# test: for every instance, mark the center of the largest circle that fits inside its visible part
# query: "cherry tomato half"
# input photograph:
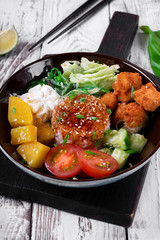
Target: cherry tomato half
(96, 163)
(62, 161)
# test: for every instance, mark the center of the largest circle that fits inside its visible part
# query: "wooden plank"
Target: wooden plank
(146, 223)
(27, 18)
(49, 223)
(86, 37)
(14, 219)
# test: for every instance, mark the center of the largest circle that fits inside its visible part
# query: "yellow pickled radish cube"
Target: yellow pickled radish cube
(24, 134)
(19, 112)
(34, 153)
(45, 134)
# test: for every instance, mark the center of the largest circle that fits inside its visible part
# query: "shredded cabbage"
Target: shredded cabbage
(86, 73)
(71, 66)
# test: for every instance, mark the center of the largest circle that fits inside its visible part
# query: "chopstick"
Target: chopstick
(65, 21)
(87, 14)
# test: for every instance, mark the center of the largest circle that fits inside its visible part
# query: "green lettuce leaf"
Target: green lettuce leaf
(153, 49)
(92, 73)
(71, 66)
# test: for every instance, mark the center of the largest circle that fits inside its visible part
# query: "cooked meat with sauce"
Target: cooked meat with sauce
(148, 97)
(133, 115)
(125, 81)
(110, 100)
(85, 118)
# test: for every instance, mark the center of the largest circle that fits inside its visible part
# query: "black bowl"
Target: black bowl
(37, 70)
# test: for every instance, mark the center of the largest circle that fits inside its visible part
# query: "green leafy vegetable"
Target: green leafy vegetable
(67, 88)
(93, 137)
(90, 152)
(109, 110)
(55, 80)
(153, 49)
(65, 139)
(14, 110)
(107, 132)
(24, 161)
(132, 91)
(79, 116)
(70, 66)
(72, 95)
(63, 114)
(130, 151)
(96, 91)
(56, 74)
(86, 73)
(89, 90)
(98, 142)
(85, 91)
(94, 118)
(58, 119)
(89, 77)
(82, 99)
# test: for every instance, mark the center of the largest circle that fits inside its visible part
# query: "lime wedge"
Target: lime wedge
(8, 40)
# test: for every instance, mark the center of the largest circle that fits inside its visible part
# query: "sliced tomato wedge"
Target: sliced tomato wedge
(96, 163)
(62, 161)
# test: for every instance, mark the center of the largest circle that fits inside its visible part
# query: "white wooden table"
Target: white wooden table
(32, 19)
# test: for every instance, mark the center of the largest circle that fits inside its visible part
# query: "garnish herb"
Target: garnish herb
(98, 142)
(14, 110)
(79, 116)
(109, 110)
(67, 88)
(63, 114)
(132, 91)
(90, 152)
(130, 151)
(24, 161)
(107, 132)
(55, 145)
(65, 139)
(82, 100)
(153, 49)
(94, 118)
(72, 95)
(93, 137)
(86, 92)
(58, 119)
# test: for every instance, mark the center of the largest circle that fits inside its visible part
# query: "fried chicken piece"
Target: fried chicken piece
(84, 119)
(148, 97)
(133, 115)
(125, 81)
(110, 100)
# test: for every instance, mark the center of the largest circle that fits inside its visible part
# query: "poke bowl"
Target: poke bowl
(107, 120)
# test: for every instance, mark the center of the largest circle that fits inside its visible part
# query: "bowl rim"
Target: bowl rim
(93, 182)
